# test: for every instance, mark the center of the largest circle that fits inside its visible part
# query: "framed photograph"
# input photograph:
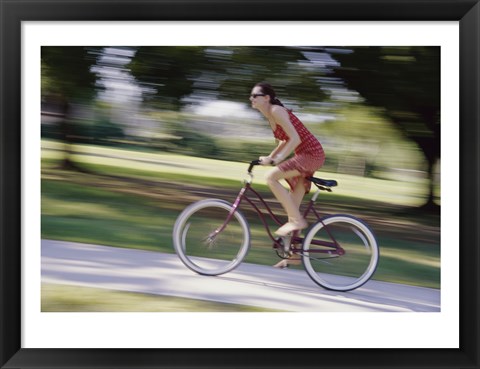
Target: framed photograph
(228, 47)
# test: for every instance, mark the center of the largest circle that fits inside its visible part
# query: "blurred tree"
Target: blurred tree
(286, 68)
(167, 74)
(67, 77)
(175, 76)
(405, 82)
(358, 137)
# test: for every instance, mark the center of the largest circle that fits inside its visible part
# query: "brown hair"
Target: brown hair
(267, 89)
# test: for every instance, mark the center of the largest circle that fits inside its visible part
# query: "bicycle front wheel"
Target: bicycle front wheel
(340, 253)
(203, 240)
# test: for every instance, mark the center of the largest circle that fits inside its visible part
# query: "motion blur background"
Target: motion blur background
(131, 135)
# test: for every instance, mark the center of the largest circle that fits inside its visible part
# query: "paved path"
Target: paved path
(163, 274)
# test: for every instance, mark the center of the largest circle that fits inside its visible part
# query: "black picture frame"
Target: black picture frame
(12, 355)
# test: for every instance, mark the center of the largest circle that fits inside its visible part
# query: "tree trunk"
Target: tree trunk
(430, 204)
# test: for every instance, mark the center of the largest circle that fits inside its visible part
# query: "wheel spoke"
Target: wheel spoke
(217, 252)
(352, 264)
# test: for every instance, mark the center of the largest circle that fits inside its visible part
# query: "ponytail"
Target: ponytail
(275, 101)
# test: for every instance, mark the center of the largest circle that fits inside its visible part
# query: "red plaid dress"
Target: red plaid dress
(308, 155)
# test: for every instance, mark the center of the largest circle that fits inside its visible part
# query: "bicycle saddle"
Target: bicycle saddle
(322, 183)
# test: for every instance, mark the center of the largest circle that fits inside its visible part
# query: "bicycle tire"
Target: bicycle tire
(340, 272)
(205, 255)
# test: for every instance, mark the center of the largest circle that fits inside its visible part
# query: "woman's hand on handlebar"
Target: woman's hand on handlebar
(262, 160)
(265, 160)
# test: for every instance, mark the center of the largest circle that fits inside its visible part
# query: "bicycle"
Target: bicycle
(339, 252)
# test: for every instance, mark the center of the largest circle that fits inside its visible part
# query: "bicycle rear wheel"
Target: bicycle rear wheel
(202, 245)
(340, 253)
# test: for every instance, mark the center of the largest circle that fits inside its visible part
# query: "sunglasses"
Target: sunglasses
(255, 95)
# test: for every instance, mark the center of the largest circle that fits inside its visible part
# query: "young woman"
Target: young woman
(308, 156)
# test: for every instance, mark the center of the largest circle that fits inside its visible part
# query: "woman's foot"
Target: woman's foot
(282, 264)
(292, 225)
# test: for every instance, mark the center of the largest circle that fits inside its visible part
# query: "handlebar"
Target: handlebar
(252, 164)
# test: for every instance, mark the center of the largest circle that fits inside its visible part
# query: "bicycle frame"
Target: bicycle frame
(202, 229)
(331, 248)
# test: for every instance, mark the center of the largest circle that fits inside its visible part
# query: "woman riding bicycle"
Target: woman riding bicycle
(339, 252)
(293, 136)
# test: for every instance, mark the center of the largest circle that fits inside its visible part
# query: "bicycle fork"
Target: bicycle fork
(211, 237)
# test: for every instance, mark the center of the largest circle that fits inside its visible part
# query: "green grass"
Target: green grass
(81, 213)
(209, 172)
(63, 298)
(135, 207)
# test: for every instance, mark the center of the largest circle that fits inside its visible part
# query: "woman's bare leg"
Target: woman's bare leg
(297, 196)
(289, 201)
